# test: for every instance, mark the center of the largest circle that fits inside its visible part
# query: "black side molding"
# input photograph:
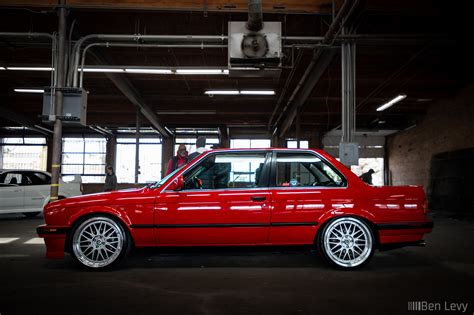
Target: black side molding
(221, 225)
(405, 225)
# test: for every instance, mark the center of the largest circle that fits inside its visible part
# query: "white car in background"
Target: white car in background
(28, 191)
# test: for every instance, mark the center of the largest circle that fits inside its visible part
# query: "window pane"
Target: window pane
(125, 168)
(23, 157)
(94, 169)
(95, 145)
(240, 143)
(292, 144)
(365, 164)
(227, 170)
(90, 158)
(71, 169)
(260, 143)
(35, 140)
(13, 140)
(150, 163)
(72, 158)
(73, 145)
(305, 170)
(93, 179)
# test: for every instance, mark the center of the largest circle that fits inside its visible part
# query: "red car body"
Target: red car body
(257, 216)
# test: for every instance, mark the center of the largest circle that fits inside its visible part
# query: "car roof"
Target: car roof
(23, 170)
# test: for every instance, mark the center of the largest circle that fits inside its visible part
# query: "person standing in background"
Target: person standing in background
(367, 177)
(180, 159)
(200, 147)
(110, 179)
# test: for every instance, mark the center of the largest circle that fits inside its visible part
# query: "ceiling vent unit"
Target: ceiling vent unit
(254, 46)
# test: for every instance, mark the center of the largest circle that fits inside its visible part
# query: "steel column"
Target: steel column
(348, 60)
(58, 128)
(137, 146)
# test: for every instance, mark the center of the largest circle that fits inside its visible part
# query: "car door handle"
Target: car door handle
(258, 198)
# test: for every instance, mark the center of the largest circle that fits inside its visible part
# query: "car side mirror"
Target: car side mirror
(177, 183)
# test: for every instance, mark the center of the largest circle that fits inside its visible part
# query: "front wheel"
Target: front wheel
(346, 242)
(99, 242)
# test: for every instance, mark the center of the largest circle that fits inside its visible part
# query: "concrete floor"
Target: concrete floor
(235, 281)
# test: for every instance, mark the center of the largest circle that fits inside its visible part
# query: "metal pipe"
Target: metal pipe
(108, 44)
(255, 19)
(73, 75)
(338, 23)
(57, 136)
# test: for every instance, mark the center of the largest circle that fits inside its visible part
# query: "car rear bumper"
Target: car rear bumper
(403, 232)
(54, 238)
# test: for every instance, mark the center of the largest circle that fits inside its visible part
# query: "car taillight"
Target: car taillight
(82, 188)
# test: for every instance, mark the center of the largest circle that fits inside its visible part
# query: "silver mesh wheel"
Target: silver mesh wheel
(348, 242)
(98, 242)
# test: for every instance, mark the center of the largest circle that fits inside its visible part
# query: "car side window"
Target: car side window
(13, 179)
(40, 178)
(305, 170)
(228, 170)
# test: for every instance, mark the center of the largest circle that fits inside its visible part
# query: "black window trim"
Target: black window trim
(265, 172)
(273, 172)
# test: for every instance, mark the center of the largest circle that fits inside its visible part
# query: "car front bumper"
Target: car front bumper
(54, 238)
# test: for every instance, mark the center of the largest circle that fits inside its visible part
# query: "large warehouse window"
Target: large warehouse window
(293, 144)
(149, 160)
(23, 153)
(85, 157)
(190, 143)
(250, 143)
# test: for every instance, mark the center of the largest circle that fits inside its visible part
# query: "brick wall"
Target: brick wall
(448, 126)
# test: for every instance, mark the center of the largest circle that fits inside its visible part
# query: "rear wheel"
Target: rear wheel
(347, 243)
(99, 242)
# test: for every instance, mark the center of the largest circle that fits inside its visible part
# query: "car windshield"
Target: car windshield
(164, 179)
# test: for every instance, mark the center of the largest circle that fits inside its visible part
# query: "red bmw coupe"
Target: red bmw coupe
(235, 197)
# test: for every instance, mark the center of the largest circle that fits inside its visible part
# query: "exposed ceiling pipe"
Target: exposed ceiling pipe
(169, 39)
(255, 20)
(315, 69)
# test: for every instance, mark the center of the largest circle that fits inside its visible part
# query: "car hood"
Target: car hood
(133, 195)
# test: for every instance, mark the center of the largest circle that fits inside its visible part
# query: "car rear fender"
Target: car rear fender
(364, 215)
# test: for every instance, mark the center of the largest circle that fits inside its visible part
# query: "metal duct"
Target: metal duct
(255, 21)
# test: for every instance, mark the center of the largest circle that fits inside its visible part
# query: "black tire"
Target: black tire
(329, 243)
(31, 214)
(113, 232)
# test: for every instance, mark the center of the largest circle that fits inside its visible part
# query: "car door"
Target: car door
(304, 186)
(36, 190)
(11, 193)
(225, 201)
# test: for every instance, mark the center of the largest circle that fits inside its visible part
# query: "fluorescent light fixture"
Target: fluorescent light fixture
(2, 68)
(151, 71)
(102, 70)
(222, 92)
(29, 68)
(29, 90)
(242, 92)
(263, 92)
(202, 71)
(391, 102)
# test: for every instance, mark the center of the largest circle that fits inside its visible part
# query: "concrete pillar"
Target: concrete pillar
(111, 151)
(166, 154)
